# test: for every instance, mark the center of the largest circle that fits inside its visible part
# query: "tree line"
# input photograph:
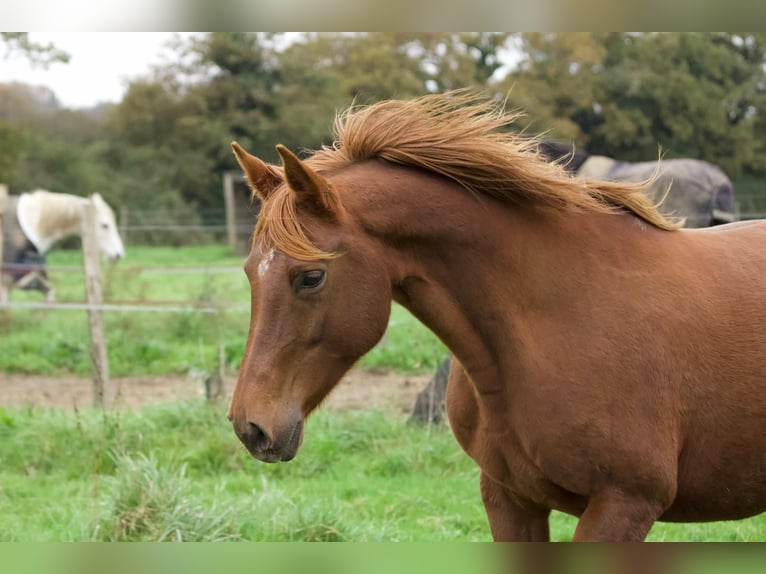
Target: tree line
(166, 144)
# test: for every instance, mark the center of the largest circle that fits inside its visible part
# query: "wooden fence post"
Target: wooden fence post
(124, 225)
(231, 212)
(3, 206)
(102, 390)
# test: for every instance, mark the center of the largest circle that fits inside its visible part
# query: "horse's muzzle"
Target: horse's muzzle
(265, 448)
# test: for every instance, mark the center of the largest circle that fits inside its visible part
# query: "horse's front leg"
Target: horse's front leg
(613, 516)
(509, 520)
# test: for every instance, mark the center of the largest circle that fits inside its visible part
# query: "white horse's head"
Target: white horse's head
(109, 240)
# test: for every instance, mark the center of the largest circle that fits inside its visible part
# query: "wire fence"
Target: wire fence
(174, 306)
(210, 334)
(171, 227)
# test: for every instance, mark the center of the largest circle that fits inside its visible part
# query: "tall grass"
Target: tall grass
(148, 501)
(176, 472)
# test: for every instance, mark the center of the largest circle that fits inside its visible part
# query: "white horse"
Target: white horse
(34, 222)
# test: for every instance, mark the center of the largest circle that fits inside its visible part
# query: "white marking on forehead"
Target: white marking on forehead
(263, 266)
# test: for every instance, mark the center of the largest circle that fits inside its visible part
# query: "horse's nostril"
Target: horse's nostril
(256, 438)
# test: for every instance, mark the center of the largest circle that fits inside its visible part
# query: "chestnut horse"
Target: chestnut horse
(608, 364)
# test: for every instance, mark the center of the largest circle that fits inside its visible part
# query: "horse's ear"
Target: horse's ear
(306, 183)
(263, 178)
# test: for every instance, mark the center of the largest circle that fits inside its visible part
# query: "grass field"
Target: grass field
(177, 472)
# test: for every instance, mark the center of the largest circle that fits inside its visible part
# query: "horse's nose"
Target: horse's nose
(255, 438)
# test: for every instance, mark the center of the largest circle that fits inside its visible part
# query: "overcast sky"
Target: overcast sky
(100, 64)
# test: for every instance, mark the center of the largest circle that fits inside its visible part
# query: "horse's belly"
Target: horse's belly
(719, 489)
(722, 459)
(713, 506)
(711, 512)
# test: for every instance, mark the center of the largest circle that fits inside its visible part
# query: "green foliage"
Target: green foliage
(750, 195)
(167, 143)
(12, 144)
(625, 95)
(165, 146)
(41, 54)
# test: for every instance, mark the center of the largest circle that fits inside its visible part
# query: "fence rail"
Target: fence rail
(129, 307)
(132, 269)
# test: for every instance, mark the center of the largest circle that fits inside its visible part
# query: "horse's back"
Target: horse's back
(727, 264)
(738, 249)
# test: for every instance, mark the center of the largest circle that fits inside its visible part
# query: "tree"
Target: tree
(554, 82)
(695, 94)
(41, 54)
(172, 130)
(626, 95)
(12, 145)
(460, 60)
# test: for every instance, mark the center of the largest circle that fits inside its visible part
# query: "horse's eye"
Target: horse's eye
(309, 280)
(104, 226)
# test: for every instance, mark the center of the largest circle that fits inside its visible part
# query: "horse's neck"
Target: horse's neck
(473, 269)
(452, 256)
(49, 217)
(474, 288)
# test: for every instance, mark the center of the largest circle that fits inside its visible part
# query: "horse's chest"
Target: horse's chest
(496, 446)
(502, 457)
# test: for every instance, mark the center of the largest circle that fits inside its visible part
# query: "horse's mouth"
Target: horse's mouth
(272, 456)
(281, 451)
(268, 456)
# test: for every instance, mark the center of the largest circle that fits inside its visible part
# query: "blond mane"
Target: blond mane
(462, 136)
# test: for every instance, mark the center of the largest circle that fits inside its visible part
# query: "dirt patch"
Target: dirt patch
(360, 389)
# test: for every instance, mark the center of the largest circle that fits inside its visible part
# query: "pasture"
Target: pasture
(175, 471)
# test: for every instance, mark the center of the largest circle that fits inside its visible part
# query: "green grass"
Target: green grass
(176, 472)
(52, 342)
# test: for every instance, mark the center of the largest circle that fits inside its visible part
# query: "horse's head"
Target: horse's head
(109, 240)
(320, 299)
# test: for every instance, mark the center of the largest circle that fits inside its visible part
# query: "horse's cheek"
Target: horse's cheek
(364, 313)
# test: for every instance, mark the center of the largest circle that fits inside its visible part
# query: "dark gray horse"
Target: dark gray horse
(698, 191)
